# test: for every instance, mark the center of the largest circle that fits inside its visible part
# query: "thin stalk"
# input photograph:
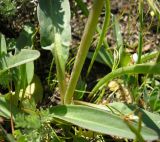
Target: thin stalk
(139, 137)
(109, 55)
(83, 49)
(140, 43)
(148, 68)
(50, 71)
(154, 7)
(103, 33)
(61, 79)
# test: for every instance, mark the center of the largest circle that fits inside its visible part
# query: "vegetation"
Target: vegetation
(122, 105)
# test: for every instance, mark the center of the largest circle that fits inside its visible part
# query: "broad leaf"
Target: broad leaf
(54, 18)
(151, 120)
(100, 121)
(26, 37)
(23, 57)
(55, 33)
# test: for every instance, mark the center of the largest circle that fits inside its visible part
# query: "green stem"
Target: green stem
(147, 68)
(103, 33)
(50, 71)
(140, 43)
(60, 68)
(83, 49)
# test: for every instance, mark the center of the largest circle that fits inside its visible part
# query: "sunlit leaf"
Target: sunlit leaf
(99, 120)
(23, 57)
(55, 33)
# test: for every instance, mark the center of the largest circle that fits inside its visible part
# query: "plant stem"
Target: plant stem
(140, 43)
(83, 49)
(147, 68)
(103, 33)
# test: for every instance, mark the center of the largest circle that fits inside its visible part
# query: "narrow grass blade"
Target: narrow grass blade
(154, 7)
(140, 42)
(103, 57)
(83, 7)
(119, 39)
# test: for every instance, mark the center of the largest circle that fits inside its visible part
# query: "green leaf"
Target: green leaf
(3, 47)
(80, 89)
(29, 71)
(126, 59)
(25, 38)
(119, 38)
(26, 72)
(154, 100)
(55, 34)
(154, 7)
(102, 35)
(54, 18)
(99, 121)
(6, 135)
(23, 57)
(79, 139)
(102, 57)
(150, 120)
(34, 90)
(7, 107)
(27, 121)
(82, 7)
(117, 33)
